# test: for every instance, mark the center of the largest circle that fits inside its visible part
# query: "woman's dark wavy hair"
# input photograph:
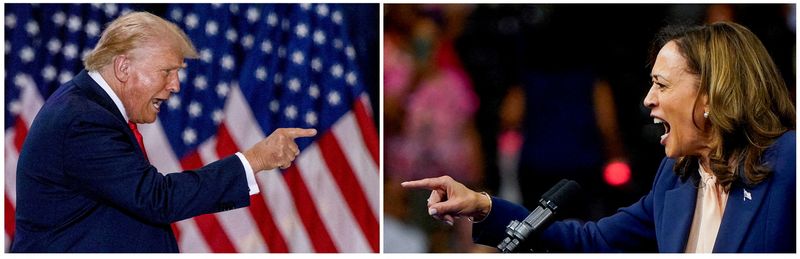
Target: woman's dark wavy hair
(749, 104)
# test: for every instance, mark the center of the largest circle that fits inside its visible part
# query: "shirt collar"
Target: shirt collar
(103, 84)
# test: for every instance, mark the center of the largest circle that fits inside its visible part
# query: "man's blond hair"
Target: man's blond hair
(135, 30)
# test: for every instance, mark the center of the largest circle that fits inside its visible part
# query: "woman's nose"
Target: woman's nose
(650, 100)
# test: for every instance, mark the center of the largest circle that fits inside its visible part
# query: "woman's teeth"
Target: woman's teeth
(666, 129)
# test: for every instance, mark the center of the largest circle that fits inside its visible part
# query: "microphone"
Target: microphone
(563, 193)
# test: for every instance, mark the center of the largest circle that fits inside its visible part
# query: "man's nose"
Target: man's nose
(174, 86)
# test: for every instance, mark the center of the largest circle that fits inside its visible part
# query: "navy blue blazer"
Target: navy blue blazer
(763, 221)
(84, 185)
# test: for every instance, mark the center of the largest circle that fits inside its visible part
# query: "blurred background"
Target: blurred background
(509, 99)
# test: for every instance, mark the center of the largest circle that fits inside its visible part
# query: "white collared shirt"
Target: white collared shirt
(251, 178)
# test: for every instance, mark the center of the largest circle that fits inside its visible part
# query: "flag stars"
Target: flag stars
(351, 78)
(195, 109)
(223, 89)
(301, 30)
(110, 9)
(59, 18)
(182, 75)
(316, 64)
(206, 55)
(337, 17)
(49, 73)
(64, 77)
(247, 41)
(336, 70)
(322, 10)
(274, 106)
(74, 23)
(189, 136)
(278, 79)
(15, 107)
(11, 21)
(8, 47)
(176, 14)
(212, 28)
(217, 116)
(231, 35)
(350, 52)
(174, 102)
(313, 91)
(261, 73)
(32, 28)
(191, 21)
(311, 118)
(298, 57)
(337, 43)
(26, 55)
(227, 62)
(334, 98)
(253, 14)
(85, 53)
(319, 37)
(305, 6)
(70, 51)
(234, 8)
(272, 19)
(20, 80)
(200, 82)
(53, 45)
(92, 29)
(290, 112)
(294, 85)
(266, 47)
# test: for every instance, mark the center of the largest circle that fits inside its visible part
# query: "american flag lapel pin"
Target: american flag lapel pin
(747, 195)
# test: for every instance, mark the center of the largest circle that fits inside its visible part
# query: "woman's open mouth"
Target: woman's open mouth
(666, 129)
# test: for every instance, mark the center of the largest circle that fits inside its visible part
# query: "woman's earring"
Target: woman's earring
(705, 115)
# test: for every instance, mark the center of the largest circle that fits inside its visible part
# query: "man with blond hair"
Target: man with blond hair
(84, 183)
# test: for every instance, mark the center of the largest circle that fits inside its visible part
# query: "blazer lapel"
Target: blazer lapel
(743, 203)
(679, 206)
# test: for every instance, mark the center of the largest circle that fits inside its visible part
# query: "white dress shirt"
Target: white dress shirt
(249, 174)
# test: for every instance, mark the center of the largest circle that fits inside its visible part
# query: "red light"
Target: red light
(617, 173)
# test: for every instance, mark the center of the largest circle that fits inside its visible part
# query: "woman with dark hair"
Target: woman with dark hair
(727, 183)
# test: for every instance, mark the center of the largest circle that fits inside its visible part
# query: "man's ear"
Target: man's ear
(122, 67)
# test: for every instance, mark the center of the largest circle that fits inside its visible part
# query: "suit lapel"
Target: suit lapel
(679, 206)
(743, 203)
(97, 94)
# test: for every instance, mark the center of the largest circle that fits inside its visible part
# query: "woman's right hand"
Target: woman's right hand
(450, 200)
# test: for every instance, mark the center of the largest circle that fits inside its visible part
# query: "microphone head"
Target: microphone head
(554, 189)
(566, 193)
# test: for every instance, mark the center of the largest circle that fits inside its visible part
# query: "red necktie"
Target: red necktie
(138, 137)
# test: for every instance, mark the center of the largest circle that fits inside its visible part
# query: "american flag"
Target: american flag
(261, 67)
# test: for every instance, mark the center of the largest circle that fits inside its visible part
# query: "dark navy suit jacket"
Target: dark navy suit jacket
(763, 221)
(83, 184)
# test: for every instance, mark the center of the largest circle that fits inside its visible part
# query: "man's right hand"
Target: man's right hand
(277, 150)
